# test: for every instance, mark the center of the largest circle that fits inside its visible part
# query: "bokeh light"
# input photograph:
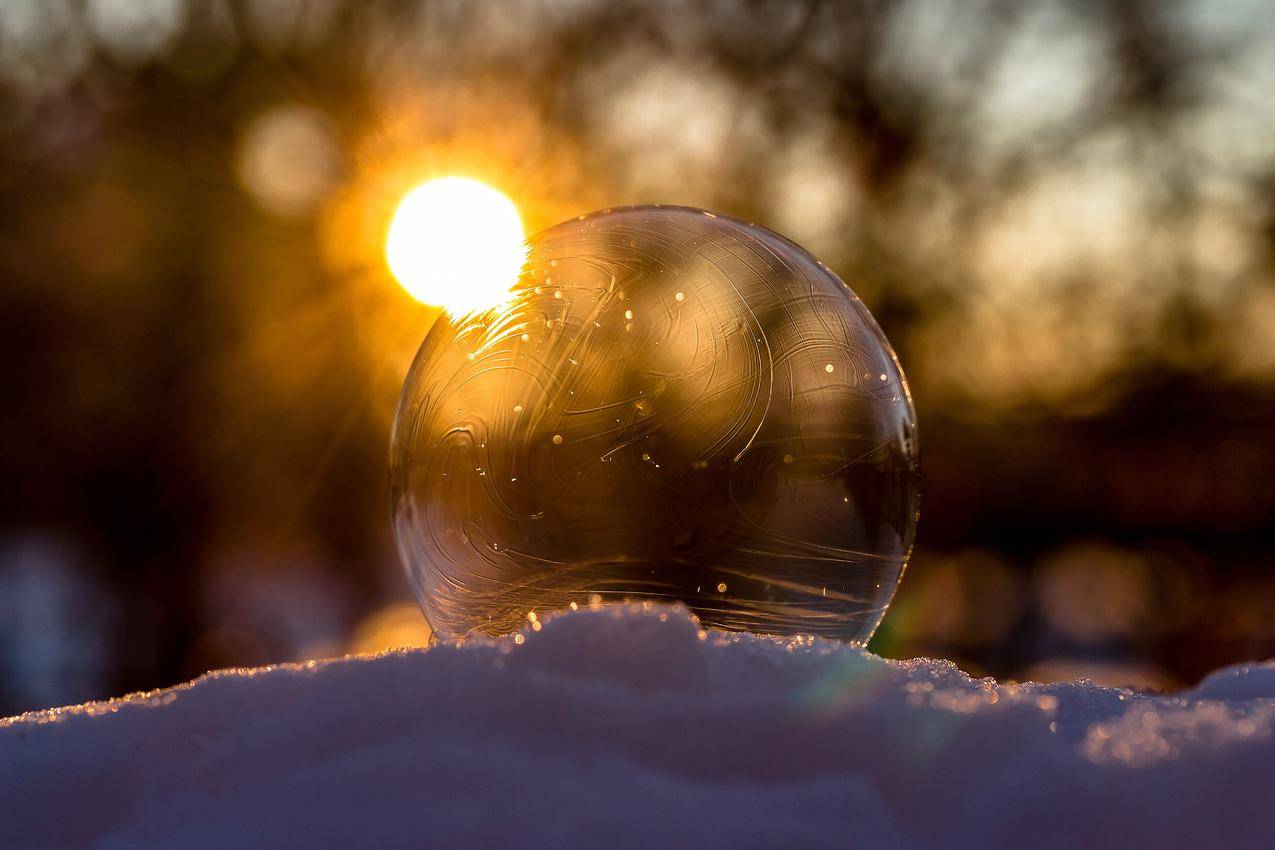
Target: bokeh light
(395, 626)
(288, 160)
(1094, 592)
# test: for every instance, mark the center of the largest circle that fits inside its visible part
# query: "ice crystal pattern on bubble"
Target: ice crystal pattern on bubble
(672, 405)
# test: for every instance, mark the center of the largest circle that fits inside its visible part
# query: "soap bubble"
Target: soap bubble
(672, 406)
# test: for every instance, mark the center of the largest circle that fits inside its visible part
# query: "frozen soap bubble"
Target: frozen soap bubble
(671, 406)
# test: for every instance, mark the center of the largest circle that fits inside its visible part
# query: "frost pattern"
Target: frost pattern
(673, 406)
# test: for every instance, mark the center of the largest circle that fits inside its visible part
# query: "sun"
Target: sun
(456, 243)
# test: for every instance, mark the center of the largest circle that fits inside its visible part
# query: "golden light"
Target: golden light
(456, 243)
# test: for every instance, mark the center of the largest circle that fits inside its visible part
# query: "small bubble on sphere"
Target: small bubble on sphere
(707, 464)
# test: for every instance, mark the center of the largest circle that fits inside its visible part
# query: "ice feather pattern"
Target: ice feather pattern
(674, 406)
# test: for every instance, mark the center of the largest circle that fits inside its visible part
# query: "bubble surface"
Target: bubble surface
(673, 405)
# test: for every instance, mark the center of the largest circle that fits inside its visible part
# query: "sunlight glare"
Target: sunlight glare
(456, 243)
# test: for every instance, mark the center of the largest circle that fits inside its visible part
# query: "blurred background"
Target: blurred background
(1062, 214)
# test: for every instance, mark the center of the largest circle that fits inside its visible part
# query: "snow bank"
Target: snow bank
(629, 727)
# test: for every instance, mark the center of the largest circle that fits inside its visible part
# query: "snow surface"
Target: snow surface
(629, 727)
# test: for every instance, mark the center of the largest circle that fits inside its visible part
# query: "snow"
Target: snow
(630, 727)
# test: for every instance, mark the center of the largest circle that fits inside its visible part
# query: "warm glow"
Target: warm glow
(456, 243)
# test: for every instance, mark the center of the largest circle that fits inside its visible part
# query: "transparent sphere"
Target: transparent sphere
(672, 405)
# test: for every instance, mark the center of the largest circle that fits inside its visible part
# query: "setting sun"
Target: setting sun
(456, 243)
